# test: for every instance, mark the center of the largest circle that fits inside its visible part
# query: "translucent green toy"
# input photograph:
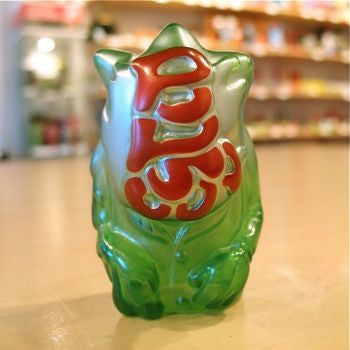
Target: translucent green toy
(176, 192)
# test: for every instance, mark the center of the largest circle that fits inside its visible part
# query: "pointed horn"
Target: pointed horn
(106, 62)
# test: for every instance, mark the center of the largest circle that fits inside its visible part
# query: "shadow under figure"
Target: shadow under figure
(176, 193)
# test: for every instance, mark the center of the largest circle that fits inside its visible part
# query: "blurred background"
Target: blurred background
(54, 292)
(51, 97)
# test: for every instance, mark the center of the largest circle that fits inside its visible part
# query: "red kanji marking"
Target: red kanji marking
(232, 180)
(150, 83)
(183, 213)
(135, 189)
(180, 178)
(190, 111)
(144, 148)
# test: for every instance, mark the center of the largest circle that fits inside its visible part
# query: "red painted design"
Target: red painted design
(180, 178)
(182, 213)
(190, 111)
(144, 148)
(179, 163)
(150, 83)
(135, 189)
(232, 180)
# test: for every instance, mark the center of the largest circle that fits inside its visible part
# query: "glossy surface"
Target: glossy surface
(179, 223)
(55, 295)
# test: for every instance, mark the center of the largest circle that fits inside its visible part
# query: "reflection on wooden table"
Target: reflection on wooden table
(55, 295)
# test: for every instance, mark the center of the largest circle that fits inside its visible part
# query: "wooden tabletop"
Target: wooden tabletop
(55, 294)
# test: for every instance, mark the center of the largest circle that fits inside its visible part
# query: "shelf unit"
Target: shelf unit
(295, 53)
(287, 53)
(271, 96)
(150, 16)
(302, 139)
(69, 96)
(232, 7)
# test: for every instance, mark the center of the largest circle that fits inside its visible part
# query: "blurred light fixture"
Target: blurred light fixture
(44, 65)
(45, 44)
(190, 2)
(206, 3)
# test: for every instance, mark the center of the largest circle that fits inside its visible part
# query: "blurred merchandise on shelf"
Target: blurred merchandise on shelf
(300, 88)
(264, 37)
(59, 12)
(300, 50)
(335, 11)
(53, 50)
(281, 127)
(54, 136)
(101, 27)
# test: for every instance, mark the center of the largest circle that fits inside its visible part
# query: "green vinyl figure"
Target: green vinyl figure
(176, 197)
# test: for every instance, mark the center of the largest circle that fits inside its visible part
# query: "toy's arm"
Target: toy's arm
(101, 198)
(129, 267)
(229, 266)
(249, 232)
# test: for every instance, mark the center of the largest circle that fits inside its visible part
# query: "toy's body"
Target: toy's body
(176, 193)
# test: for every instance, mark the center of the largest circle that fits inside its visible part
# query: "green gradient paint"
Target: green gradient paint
(159, 264)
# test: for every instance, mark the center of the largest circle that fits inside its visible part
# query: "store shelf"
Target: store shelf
(329, 129)
(57, 32)
(271, 12)
(33, 93)
(58, 151)
(300, 75)
(302, 139)
(285, 53)
(282, 96)
(270, 96)
(238, 8)
(136, 44)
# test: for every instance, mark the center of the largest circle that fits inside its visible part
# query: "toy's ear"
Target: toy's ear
(106, 62)
(237, 70)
